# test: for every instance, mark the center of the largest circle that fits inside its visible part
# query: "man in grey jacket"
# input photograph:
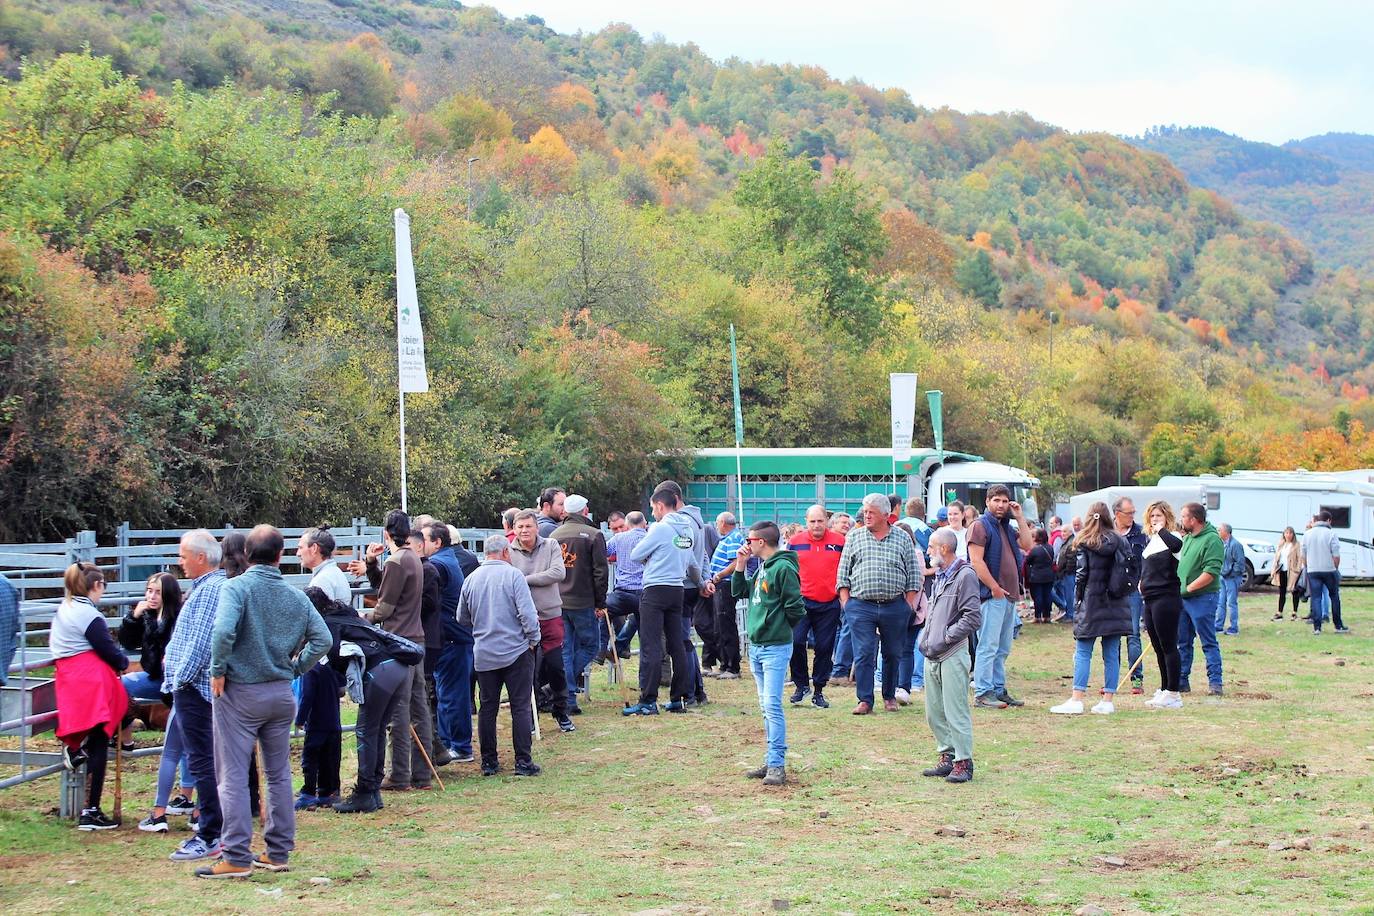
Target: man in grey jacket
(265, 633)
(541, 561)
(497, 606)
(955, 613)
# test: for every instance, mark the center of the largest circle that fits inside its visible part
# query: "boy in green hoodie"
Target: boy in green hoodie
(775, 607)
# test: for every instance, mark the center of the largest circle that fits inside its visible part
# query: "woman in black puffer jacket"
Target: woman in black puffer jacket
(1103, 611)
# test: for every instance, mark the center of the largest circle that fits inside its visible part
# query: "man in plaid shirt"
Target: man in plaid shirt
(186, 676)
(878, 583)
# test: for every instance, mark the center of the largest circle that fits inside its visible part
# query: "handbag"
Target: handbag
(1300, 587)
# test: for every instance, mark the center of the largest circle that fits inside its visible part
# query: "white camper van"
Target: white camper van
(1259, 551)
(1258, 505)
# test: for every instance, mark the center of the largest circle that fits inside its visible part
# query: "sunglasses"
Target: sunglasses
(750, 540)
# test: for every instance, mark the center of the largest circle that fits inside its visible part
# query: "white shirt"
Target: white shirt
(329, 579)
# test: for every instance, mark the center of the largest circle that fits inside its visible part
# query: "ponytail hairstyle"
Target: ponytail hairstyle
(1095, 526)
(81, 579)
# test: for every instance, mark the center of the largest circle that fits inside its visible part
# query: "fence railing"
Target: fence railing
(27, 703)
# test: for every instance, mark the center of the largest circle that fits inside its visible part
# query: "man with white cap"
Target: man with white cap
(583, 590)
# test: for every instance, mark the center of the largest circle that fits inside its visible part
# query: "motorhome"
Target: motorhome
(1258, 505)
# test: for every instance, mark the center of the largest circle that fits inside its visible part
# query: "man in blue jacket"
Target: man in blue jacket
(453, 668)
(1232, 575)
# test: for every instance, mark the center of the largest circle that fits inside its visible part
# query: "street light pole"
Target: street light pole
(471, 160)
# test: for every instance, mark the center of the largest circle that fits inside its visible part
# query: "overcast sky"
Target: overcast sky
(1266, 70)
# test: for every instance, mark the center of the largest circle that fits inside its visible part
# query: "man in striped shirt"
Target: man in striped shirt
(878, 582)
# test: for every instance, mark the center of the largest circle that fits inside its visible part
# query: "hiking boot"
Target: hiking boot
(265, 861)
(943, 768)
(640, 709)
(95, 819)
(989, 701)
(223, 869)
(528, 769)
(153, 823)
(565, 724)
(889, 705)
(359, 803)
(862, 709)
(962, 772)
(306, 802)
(819, 701)
(1009, 699)
(195, 848)
(776, 776)
(1214, 690)
(73, 758)
(798, 695)
(180, 805)
(756, 773)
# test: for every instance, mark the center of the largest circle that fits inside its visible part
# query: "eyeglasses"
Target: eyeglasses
(751, 540)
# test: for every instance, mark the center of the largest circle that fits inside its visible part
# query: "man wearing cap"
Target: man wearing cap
(583, 590)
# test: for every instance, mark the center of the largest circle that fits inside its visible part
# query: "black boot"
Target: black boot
(359, 803)
(943, 768)
(962, 772)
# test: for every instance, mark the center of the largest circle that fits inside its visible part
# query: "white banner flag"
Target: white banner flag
(410, 339)
(903, 413)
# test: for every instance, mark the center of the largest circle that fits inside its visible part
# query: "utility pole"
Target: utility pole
(470, 161)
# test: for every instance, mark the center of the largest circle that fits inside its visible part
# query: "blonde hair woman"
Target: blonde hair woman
(1161, 589)
(1287, 566)
(1103, 611)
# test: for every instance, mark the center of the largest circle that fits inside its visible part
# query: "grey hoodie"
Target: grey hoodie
(668, 551)
(693, 578)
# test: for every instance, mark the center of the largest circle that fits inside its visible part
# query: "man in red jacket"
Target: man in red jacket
(818, 550)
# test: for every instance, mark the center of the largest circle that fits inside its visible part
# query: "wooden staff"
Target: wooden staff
(1130, 672)
(425, 754)
(119, 780)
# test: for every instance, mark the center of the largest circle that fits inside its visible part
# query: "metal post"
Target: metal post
(122, 540)
(471, 160)
(24, 704)
(403, 451)
(1118, 465)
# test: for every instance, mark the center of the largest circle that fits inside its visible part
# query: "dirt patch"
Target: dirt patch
(1253, 695)
(1150, 855)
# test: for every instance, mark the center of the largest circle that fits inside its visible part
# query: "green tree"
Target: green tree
(977, 277)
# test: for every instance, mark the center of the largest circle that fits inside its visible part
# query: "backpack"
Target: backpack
(1120, 581)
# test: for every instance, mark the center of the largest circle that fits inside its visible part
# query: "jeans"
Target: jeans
(875, 627)
(383, 687)
(947, 709)
(623, 606)
(660, 614)
(195, 718)
(844, 650)
(516, 678)
(1064, 597)
(173, 752)
(1199, 619)
(261, 714)
(823, 620)
(1111, 663)
(769, 664)
(581, 641)
(1042, 596)
(1326, 593)
(1228, 605)
(912, 661)
(1137, 604)
(994, 645)
(453, 684)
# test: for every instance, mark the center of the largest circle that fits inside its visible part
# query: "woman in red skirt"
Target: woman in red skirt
(91, 701)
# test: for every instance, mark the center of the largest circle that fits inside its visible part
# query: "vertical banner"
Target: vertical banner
(410, 339)
(937, 420)
(903, 414)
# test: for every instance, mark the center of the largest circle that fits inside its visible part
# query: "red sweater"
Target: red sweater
(820, 564)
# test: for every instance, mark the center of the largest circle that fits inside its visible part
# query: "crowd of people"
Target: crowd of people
(887, 604)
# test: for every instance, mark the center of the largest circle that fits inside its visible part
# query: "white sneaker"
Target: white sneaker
(1105, 708)
(903, 697)
(1068, 708)
(1154, 700)
(1170, 701)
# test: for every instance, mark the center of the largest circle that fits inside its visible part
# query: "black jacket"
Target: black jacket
(1159, 575)
(148, 634)
(345, 624)
(584, 557)
(1040, 565)
(1099, 614)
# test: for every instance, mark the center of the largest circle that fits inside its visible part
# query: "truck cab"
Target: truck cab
(968, 482)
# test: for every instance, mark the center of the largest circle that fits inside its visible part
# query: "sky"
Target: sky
(1271, 71)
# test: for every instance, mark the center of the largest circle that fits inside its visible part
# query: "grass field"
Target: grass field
(1142, 811)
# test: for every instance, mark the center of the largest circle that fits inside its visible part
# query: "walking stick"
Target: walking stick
(1130, 672)
(534, 693)
(119, 780)
(617, 667)
(415, 736)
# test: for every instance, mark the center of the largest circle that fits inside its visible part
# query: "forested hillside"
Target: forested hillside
(196, 268)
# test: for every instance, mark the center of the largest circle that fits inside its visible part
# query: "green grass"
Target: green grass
(653, 814)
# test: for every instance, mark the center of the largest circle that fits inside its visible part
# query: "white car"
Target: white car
(1259, 562)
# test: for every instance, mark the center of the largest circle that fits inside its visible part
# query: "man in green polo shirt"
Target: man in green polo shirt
(1199, 571)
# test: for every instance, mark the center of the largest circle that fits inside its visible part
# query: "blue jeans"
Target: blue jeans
(911, 670)
(623, 604)
(844, 650)
(195, 719)
(581, 642)
(1137, 604)
(453, 695)
(1111, 663)
(1228, 604)
(994, 645)
(874, 627)
(139, 686)
(1063, 589)
(173, 752)
(770, 664)
(1326, 598)
(1199, 619)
